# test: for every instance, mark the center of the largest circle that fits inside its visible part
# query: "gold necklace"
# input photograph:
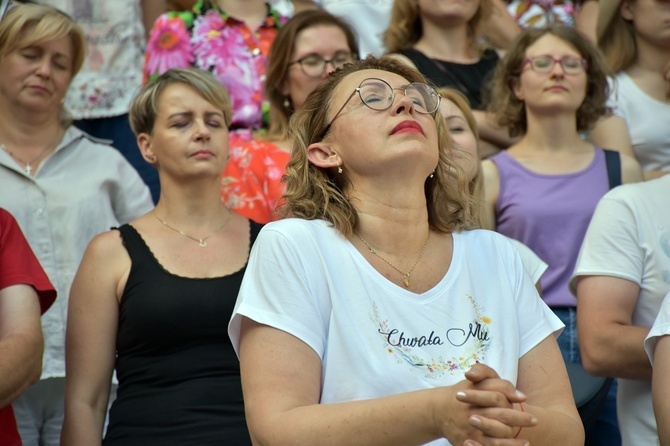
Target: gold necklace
(201, 241)
(28, 164)
(405, 275)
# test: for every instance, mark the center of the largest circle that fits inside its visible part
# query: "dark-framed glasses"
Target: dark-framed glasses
(377, 94)
(313, 65)
(545, 64)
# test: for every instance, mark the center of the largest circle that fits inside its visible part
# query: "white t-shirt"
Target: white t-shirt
(660, 328)
(531, 261)
(629, 238)
(648, 122)
(375, 338)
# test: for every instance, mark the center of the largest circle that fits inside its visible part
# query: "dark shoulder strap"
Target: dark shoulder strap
(255, 228)
(613, 163)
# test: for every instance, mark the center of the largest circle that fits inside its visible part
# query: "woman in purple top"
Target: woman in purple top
(542, 191)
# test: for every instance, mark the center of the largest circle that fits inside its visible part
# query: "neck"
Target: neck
(190, 202)
(27, 130)
(392, 223)
(551, 132)
(446, 43)
(251, 12)
(651, 57)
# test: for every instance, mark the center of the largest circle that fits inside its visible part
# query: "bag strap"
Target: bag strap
(613, 163)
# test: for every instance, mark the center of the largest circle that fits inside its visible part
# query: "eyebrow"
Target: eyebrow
(190, 114)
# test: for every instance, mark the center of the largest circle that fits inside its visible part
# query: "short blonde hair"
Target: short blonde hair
(316, 193)
(144, 109)
(405, 27)
(29, 24)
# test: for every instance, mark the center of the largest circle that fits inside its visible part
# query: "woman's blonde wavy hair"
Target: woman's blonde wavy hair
(405, 27)
(313, 192)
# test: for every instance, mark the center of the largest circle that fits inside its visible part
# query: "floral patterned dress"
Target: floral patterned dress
(539, 13)
(208, 38)
(251, 182)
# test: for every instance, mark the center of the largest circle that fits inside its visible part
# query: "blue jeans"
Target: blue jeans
(605, 432)
(117, 129)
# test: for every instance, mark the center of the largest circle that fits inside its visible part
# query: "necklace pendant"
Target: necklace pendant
(406, 280)
(29, 169)
(202, 243)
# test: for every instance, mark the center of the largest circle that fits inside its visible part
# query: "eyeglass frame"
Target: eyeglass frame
(326, 129)
(352, 58)
(529, 61)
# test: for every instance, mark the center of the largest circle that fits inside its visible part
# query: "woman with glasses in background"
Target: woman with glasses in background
(374, 316)
(306, 50)
(543, 190)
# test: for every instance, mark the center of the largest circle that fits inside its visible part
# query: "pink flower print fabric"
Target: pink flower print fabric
(208, 38)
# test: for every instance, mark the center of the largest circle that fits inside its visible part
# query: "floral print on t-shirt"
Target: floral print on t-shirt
(210, 39)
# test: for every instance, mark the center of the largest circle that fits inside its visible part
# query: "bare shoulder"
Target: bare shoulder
(107, 254)
(491, 180)
(630, 170)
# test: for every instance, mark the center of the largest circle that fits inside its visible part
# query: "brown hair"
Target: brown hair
(317, 193)
(144, 107)
(511, 112)
(29, 24)
(281, 52)
(616, 36)
(405, 27)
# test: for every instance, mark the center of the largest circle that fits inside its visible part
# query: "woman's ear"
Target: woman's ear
(322, 155)
(144, 142)
(626, 11)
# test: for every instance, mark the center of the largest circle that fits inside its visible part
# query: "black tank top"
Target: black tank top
(469, 79)
(179, 377)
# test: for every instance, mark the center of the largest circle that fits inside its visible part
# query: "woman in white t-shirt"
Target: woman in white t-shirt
(373, 316)
(634, 40)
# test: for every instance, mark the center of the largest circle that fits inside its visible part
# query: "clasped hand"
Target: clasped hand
(486, 411)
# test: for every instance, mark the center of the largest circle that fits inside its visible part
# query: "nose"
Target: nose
(557, 69)
(329, 67)
(403, 103)
(44, 68)
(202, 132)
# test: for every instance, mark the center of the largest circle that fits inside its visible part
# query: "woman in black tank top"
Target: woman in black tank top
(152, 299)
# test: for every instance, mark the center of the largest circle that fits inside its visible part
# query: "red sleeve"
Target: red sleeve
(18, 264)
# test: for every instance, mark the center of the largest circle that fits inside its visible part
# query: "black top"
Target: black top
(469, 79)
(179, 377)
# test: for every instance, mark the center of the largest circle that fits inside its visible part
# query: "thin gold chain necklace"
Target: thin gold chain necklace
(405, 275)
(201, 241)
(27, 165)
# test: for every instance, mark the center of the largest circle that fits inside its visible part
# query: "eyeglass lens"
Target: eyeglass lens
(315, 65)
(545, 64)
(378, 95)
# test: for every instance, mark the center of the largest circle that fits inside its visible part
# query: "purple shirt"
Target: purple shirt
(550, 215)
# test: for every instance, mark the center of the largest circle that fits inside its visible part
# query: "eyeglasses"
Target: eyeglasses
(545, 64)
(378, 95)
(314, 65)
